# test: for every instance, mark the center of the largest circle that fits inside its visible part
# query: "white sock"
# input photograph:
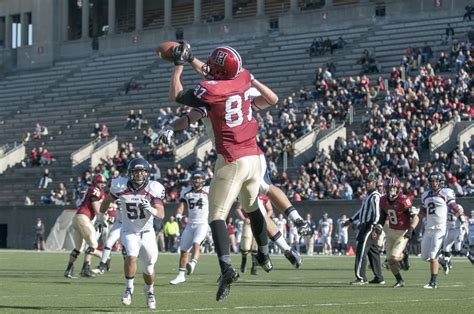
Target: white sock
(149, 288)
(105, 255)
(181, 272)
(193, 262)
(281, 243)
(294, 215)
(129, 283)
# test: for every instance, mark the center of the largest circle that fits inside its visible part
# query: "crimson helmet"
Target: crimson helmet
(393, 187)
(138, 171)
(224, 63)
(99, 179)
(198, 178)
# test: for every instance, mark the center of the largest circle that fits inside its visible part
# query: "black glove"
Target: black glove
(408, 234)
(182, 53)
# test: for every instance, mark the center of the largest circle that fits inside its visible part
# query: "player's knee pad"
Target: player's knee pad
(75, 253)
(244, 252)
(149, 269)
(90, 250)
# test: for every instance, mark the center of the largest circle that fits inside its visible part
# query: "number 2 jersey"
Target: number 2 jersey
(135, 219)
(397, 211)
(197, 203)
(436, 206)
(230, 112)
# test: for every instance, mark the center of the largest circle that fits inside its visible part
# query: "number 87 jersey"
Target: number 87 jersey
(134, 218)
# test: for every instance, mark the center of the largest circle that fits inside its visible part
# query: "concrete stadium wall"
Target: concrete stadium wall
(49, 27)
(21, 219)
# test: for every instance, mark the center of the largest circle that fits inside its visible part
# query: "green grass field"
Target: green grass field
(33, 281)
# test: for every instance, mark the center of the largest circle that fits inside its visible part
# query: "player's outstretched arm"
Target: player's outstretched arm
(267, 98)
(185, 121)
(175, 84)
(198, 65)
(104, 206)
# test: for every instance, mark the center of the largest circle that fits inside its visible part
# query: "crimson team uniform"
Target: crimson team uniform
(83, 220)
(238, 169)
(398, 213)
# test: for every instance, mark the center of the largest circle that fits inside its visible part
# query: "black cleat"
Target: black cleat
(107, 264)
(226, 279)
(264, 261)
(303, 227)
(294, 258)
(399, 284)
(101, 268)
(377, 282)
(68, 273)
(253, 270)
(86, 272)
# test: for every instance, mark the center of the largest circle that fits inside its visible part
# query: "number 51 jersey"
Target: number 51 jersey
(135, 219)
(197, 203)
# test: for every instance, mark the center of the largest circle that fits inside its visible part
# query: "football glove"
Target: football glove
(408, 234)
(165, 135)
(145, 205)
(182, 53)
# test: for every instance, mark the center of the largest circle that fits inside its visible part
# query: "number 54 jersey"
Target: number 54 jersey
(135, 219)
(197, 203)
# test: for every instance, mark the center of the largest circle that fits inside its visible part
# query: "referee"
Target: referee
(368, 216)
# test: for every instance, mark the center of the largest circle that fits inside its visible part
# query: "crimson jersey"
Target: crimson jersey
(86, 205)
(229, 109)
(397, 211)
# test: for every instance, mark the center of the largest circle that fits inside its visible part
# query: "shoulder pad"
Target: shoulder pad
(156, 189)
(118, 185)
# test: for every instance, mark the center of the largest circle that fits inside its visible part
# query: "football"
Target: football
(165, 50)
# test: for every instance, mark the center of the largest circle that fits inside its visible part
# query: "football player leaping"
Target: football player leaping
(435, 205)
(140, 201)
(276, 195)
(238, 169)
(453, 239)
(402, 220)
(196, 200)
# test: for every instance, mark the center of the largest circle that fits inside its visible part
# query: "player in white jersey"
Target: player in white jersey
(452, 240)
(140, 201)
(112, 238)
(196, 200)
(470, 238)
(325, 227)
(435, 205)
(342, 234)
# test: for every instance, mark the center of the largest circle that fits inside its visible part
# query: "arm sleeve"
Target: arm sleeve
(376, 206)
(189, 99)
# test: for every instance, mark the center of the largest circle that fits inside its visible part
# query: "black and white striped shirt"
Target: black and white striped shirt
(369, 212)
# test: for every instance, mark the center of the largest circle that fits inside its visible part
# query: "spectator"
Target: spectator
(426, 53)
(140, 119)
(131, 120)
(171, 232)
(449, 32)
(45, 180)
(40, 130)
(104, 132)
(231, 231)
(39, 231)
(469, 10)
(45, 158)
(131, 85)
(28, 201)
(96, 132)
